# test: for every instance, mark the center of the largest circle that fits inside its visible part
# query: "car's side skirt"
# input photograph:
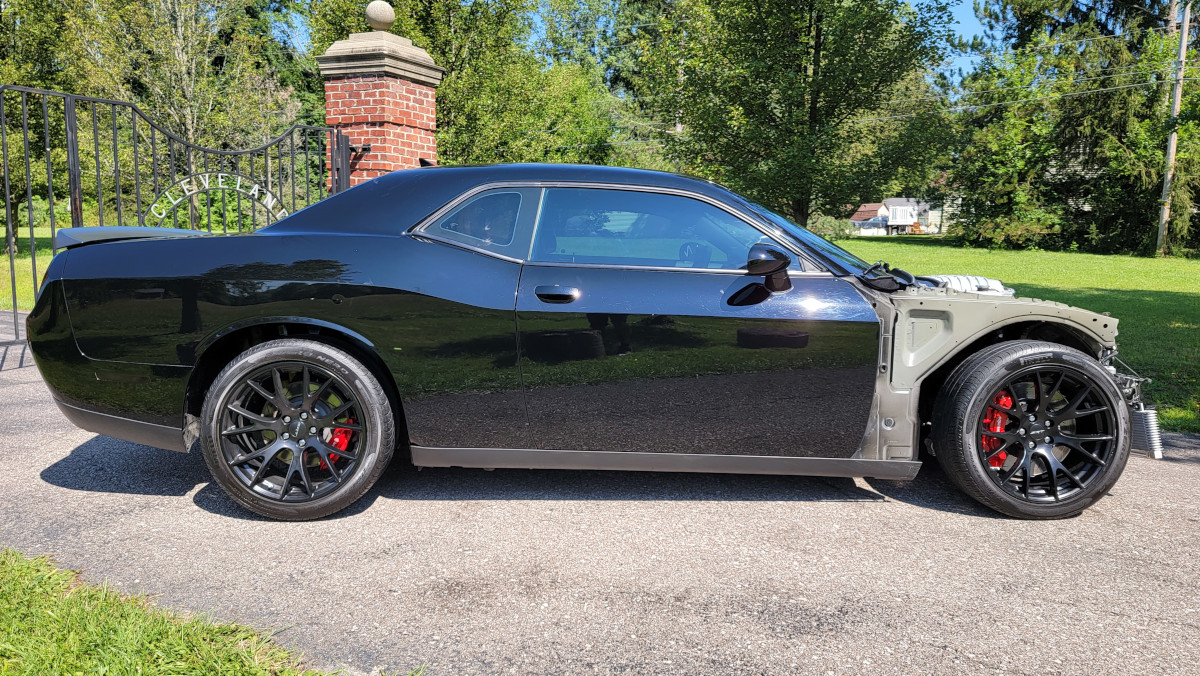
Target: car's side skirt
(524, 458)
(136, 431)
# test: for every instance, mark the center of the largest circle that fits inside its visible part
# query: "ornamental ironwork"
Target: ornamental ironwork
(79, 161)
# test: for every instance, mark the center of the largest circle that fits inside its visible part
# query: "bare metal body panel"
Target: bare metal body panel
(923, 328)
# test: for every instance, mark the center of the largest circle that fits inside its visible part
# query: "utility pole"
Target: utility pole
(1185, 31)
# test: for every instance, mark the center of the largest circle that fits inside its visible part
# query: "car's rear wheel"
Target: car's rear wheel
(296, 429)
(1032, 429)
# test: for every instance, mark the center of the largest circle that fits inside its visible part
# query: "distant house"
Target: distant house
(902, 213)
(871, 219)
(897, 215)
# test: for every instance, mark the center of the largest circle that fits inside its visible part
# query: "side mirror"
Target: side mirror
(768, 260)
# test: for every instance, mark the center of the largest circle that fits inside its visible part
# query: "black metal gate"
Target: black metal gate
(76, 161)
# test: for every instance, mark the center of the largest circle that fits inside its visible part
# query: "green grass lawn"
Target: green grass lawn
(23, 265)
(1157, 301)
(51, 623)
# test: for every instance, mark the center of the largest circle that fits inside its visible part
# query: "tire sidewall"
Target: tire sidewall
(1044, 355)
(376, 448)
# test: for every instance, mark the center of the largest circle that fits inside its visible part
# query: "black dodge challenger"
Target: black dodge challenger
(571, 317)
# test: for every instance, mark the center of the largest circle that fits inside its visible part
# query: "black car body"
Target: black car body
(564, 317)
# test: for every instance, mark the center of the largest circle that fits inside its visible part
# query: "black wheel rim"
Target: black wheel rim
(1046, 434)
(291, 432)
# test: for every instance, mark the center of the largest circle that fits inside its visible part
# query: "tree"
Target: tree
(1090, 150)
(636, 29)
(1019, 22)
(497, 102)
(280, 28)
(1000, 173)
(768, 92)
(195, 66)
(32, 44)
(604, 37)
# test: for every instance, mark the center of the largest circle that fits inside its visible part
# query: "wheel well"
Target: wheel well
(225, 349)
(1037, 330)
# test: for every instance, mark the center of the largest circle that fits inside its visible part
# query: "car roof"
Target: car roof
(400, 199)
(572, 172)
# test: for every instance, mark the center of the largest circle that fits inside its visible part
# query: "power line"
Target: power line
(601, 29)
(1047, 83)
(965, 108)
(1127, 67)
(936, 97)
(606, 143)
(955, 109)
(544, 43)
(615, 100)
(630, 127)
(610, 99)
(1034, 47)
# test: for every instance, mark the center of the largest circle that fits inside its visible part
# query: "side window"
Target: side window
(624, 227)
(499, 221)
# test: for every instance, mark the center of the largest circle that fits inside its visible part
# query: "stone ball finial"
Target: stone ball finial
(380, 15)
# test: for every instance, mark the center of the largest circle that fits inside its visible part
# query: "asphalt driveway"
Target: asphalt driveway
(535, 572)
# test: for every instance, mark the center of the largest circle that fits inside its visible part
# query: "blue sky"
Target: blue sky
(968, 26)
(964, 13)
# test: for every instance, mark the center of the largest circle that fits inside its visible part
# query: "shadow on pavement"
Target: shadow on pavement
(214, 500)
(932, 490)
(15, 355)
(1183, 448)
(439, 483)
(458, 484)
(1190, 458)
(106, 465)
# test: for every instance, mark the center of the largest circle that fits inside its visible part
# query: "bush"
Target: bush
(41, 213)
(1030, 229)
(831, 228)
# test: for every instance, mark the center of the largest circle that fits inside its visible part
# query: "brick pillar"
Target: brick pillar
(379, 91)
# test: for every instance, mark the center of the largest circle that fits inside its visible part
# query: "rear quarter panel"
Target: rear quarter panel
(156, 305)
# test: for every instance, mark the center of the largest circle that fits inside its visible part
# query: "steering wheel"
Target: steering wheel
(695, 253)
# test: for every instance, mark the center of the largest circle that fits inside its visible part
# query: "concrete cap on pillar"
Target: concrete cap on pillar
(380, 52)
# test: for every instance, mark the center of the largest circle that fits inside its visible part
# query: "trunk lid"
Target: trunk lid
(69, 238)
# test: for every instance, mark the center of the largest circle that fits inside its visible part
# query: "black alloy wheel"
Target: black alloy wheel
(1047, 434)
(1032, 429)
(296, 429)
(290, 431)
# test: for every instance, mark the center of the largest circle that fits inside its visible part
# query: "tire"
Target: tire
(1052, 466)
(297, 456)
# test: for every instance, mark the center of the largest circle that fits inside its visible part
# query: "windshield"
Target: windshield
(846, 260)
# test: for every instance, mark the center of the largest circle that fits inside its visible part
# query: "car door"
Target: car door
(454, 353)
(638, 333)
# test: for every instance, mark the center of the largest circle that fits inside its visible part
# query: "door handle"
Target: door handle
(556, 294)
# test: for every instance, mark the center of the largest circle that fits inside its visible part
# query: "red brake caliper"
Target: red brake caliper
(995, 421)
(340, 439)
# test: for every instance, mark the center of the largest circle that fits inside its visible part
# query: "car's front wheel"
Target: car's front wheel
(296, 429)
(1032, 429)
